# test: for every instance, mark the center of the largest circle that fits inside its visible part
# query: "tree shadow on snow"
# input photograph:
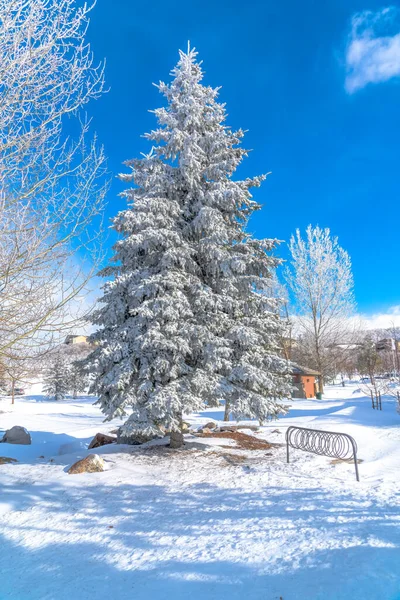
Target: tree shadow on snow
(128, 541)
(357, 411)
(45, 445)
(67, 401)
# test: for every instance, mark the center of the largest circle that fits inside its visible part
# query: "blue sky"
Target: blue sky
(316, 83)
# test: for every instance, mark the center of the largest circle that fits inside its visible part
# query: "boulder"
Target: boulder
(205, 430)
(91, 464)
(101, 439)
(237, 427)
(17, 435)
(210, 425)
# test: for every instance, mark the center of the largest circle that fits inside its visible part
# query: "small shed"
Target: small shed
(304, 381)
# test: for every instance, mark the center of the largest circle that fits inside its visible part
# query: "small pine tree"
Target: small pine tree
(74, 356)
(78, 380)
(186, 319)
(57, 378)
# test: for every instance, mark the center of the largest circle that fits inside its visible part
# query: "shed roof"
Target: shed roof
(299, 370)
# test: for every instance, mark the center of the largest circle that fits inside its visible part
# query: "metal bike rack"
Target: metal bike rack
(323, 443)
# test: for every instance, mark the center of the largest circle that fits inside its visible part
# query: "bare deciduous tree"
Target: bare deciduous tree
(52, 176)
(22, 364)
(279, 292)
(321, 282)
(370, 366)
(393, 333)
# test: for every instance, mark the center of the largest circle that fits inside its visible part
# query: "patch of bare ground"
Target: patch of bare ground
(243, 440)
(202, 459)
(161, 451)
(233, 459)
(241, 460)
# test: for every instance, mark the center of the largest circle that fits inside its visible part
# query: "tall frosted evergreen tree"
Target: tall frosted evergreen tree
(185, 319)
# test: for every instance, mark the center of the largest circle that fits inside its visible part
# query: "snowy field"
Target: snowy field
(205, 522)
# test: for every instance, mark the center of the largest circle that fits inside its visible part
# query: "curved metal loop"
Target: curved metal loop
(324, 443)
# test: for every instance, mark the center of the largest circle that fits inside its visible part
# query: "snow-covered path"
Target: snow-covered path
(195, 524)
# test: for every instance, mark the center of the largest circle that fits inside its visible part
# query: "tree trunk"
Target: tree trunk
(227, 411)
(320, 384)
(319, 367)
(176, 439)
(12, 391)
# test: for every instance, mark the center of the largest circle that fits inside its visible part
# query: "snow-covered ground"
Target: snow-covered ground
(205, 522)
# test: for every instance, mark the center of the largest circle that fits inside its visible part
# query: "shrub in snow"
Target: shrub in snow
(186, 318)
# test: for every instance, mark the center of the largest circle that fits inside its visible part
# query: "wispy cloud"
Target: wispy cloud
(382, 320)
(373, 51)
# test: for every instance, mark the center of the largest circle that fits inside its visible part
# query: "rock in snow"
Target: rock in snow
(91, 464)
(210, 425)
(101, 439)
(17, 435)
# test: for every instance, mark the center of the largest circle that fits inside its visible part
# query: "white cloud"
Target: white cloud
(382, 320)
(373, 51)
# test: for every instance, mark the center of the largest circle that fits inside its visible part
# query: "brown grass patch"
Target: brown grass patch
(234, 459)
(243, 440)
